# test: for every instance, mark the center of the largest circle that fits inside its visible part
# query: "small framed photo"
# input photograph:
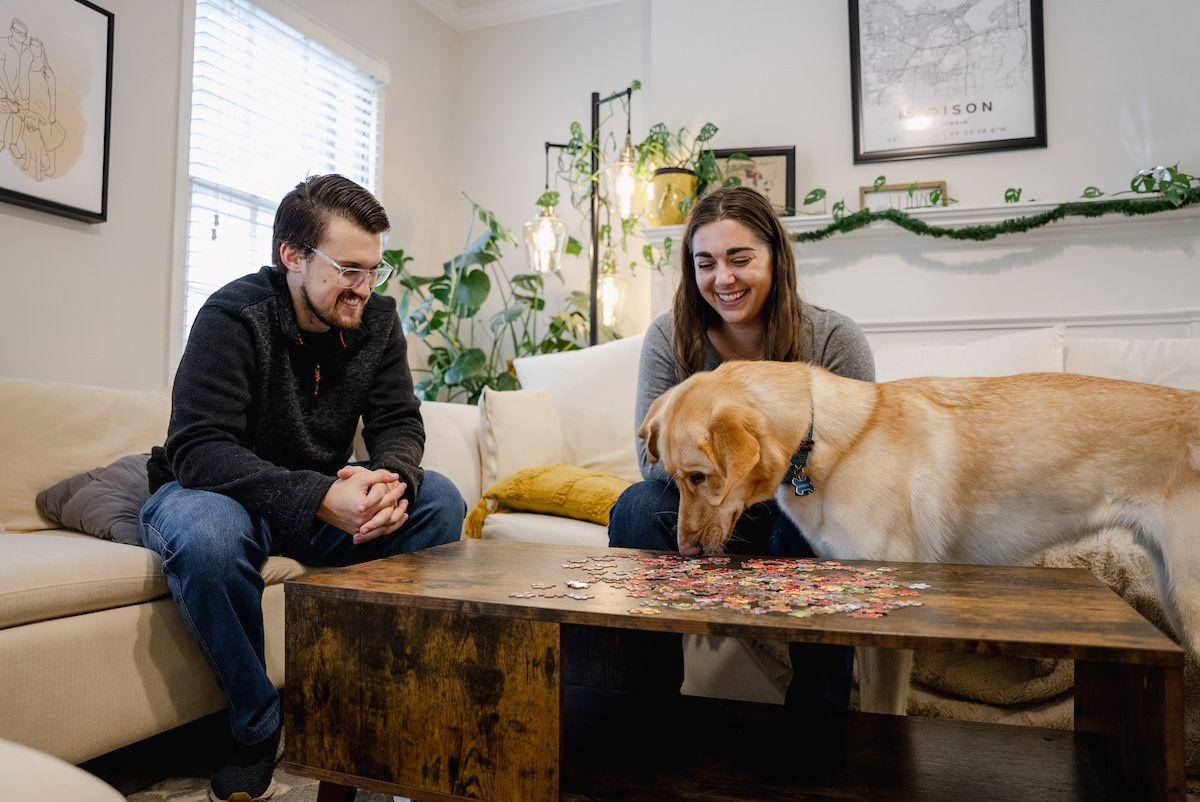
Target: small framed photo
(946, 78)
(771, 171)
(917, 195)
(56, 61)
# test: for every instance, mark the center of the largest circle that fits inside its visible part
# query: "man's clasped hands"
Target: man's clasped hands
(366, 503)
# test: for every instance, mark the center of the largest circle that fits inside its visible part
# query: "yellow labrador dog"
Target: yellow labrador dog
(987, 471)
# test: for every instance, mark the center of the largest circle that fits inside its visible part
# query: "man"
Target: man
(15, 59)
(279, 367)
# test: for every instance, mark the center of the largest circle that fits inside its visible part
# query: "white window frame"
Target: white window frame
(312, 28)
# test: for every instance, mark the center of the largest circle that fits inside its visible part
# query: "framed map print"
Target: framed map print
(55, 99)
(945, 77)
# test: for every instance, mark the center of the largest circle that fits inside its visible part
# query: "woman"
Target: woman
(737, 299)
(43, 134)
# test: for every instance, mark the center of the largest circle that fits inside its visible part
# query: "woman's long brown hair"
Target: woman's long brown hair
(781, 313)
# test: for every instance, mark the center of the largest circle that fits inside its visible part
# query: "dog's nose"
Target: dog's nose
(689, 549)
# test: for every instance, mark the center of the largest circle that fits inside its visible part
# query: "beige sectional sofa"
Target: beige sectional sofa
(93, 652)
(94, 655)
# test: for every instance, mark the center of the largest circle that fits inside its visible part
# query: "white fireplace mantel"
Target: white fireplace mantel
(1114, 275)
(962, 216)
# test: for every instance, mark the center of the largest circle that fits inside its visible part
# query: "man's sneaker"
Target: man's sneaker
(247, 778)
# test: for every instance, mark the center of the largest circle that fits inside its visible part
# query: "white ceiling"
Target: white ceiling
(468, 15)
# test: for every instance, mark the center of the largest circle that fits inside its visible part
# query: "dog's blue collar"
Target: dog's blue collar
(801, 484)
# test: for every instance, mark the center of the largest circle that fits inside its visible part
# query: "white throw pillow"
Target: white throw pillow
(518, 429)
(1036, 351)
(451, 445)
(1174, 363)
(595, 391)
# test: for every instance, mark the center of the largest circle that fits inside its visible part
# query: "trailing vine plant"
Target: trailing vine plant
(1172, 187)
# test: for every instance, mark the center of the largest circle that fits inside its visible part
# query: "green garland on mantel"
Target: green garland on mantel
(1176, 187)
(1015, 225)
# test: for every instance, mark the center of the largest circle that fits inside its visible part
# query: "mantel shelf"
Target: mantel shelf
(959, 217)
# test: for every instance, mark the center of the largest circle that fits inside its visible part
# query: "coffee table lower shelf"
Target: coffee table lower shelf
(620, 748)
(629, 748)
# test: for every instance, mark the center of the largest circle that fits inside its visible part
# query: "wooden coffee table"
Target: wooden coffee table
(420, 676)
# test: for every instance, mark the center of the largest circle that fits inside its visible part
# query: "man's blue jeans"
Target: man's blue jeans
(645, 516)
(213, 550)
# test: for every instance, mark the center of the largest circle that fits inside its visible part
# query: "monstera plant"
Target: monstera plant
(465, 351)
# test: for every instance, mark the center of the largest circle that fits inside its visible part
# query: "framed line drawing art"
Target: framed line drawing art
(55, 106)
(772, 171)
(951, 78)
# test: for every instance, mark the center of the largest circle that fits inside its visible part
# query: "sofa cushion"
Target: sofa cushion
(528, 527)
(1035, 351)
(84, 685)
(561, 490)
(595, 391)
(104, 502)
(517, 430)
(50, 431)
(53, 574)
(1174, 363)
(451, 448)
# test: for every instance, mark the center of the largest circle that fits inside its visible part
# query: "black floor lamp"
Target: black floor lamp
(594, 209)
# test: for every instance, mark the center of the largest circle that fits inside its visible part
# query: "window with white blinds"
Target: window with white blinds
(269, 107)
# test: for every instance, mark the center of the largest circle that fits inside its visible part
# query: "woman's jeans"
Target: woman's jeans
(644, 517)
(213, 551)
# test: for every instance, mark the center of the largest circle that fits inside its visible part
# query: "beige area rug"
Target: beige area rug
(301, 789)
(288, 788)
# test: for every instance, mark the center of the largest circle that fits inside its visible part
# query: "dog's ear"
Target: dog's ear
(733, 446)
(652, 424)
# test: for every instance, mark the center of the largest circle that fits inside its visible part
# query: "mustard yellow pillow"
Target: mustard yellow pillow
(562, 490)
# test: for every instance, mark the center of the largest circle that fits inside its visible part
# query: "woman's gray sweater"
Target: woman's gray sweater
(831, 340)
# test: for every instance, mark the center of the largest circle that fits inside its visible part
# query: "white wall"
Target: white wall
(1120, 89)
(99, 309)
(88, 303)
(1120, 96)
(523, 84)
(468, 112)
(419, 116)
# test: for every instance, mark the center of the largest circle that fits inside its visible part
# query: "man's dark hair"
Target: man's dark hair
(303, 214)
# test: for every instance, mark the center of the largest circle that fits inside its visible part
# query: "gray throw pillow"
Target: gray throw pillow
(103, 502)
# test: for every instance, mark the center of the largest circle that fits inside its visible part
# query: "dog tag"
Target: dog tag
(803, 486)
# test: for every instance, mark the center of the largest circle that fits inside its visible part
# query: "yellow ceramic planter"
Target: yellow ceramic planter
(667, 193)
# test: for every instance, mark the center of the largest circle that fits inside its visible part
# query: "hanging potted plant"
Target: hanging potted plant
(677, 169)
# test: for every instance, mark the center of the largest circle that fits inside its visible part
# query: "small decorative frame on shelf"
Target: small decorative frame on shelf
(771, 171)
(56, 60)
(906, 197)
(956, 77)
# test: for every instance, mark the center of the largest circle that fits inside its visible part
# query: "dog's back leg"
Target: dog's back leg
(883, 676)
(1162, 584)
(1178, 563)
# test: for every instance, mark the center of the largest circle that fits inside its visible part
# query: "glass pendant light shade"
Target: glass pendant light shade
(545, 238)
(610, 293)
(625, 189)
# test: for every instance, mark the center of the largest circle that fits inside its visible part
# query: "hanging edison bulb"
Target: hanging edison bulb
(625, 189)
(610, 291)
(545, 238)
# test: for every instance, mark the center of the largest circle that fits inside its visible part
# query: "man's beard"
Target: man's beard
(329, 318)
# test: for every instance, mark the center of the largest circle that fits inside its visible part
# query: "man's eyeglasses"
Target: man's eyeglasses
(349, 277)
